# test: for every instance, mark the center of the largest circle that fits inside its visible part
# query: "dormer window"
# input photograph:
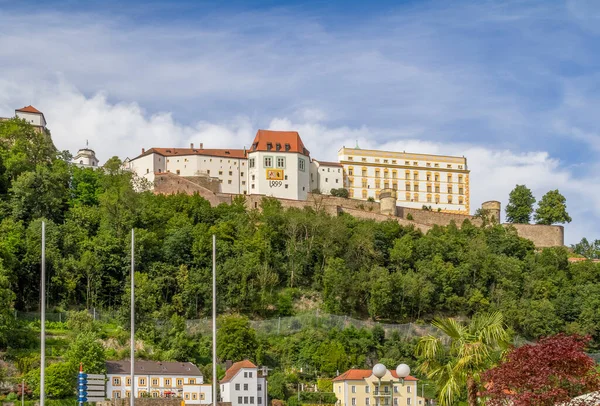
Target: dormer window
(269, 146)
(287, 147)
(278, 147)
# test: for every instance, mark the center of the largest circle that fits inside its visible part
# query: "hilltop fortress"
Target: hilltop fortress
(412, 189)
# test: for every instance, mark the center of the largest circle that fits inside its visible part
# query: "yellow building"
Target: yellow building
(439, 181)
(359, 387)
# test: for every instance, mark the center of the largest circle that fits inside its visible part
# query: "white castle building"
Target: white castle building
(85, 158)
(278, 164)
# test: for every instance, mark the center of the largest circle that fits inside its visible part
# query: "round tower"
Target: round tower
(387, 202)
(493, 207)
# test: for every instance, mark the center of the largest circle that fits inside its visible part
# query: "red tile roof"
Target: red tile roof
(235, 368)
(289, 141)
(325, 163)
(358, 374)
(225, 153)
(29, 109)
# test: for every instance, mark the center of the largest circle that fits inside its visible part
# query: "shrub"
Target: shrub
(341, 192)
(409, 216)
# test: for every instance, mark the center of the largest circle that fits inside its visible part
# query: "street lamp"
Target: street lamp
(379, 370)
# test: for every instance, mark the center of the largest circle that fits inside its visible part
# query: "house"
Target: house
(359, 387)
(243, 384)
(158, 380)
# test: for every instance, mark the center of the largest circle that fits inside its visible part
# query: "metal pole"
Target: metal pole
(43, 321)
(23, 393)
(214, 321)
(132, 338)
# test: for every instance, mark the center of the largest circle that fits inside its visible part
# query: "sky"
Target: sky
(514, 86)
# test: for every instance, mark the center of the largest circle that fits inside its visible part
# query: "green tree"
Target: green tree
(60, 381)
(520, 205)
(236, 340)
(471, 349)
(87, 350)
(7, 298)
(587, 249)
(552, 209)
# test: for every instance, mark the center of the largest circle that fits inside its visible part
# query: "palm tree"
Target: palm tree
(455, 360)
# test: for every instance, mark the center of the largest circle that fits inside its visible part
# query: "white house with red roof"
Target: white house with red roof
(279, 165)
(32, 115)
(243, 384)
(359, 387)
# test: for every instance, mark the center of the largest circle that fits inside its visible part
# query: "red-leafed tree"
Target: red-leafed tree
(553, 371)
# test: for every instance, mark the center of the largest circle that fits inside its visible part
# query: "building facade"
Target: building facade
(325, 176)
(85, 158)
(32, 115)
(243, 384)
(359, 387)
(436, 181)
(181, 380)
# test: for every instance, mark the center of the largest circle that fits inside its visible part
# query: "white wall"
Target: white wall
(229, 393)
(296, 183)
(32, 118)
(329, 177)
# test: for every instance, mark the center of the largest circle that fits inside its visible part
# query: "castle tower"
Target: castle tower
(85, 158)
(387, 202)
(493, 207)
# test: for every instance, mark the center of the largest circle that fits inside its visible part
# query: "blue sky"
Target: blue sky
(512, 85)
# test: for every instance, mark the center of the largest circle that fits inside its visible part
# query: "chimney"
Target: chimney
(143, 150)
(191, 145)
(201, 146)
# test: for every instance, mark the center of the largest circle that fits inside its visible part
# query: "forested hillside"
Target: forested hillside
(271, 262)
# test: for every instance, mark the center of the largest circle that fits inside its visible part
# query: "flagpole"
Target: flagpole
(43, 321)
(132, 338)
(214, 322)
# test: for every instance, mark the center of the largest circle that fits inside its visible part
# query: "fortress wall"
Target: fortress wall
(365, 215)
(542, 236)
(212, 184)
(168, 184)
(434, 217)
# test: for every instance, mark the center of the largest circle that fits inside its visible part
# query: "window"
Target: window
(259, 387)
(179, 382)
(395, 185)
(192, 381)
(268, 161)
(246, 400)
(177, 171)
(351, 193)
(407, 197)
(251, 400)
(243, 182)
(395, 389)
(386, 389)
(408, 401)
(364, 183)
(245, 386)
(377, 183)
(326, 179)
(350, 171)
(407, 175)
(353, 389)
(280, 162)
(437, 189)
(364, 194)
(449, 189)
(428, 177)
(428, 198)
(386, 184)
(376, 173)
(416, 187)
(385, 161)
(394, 174)
(194, 396)
(416, 197)
(337, 181)
(350, 158)
(395, 401)
(269, 146)
(286, 186)
(239, 400)
(116, 394)
(460, 179)
(461, 200)
(364, 172)
(367, 401)
(377, 160)
(437, 198)
(364, 159)
(127, 394)
(208, 172)
(437, 177)
(428, 163)
(449, 199)
(449, 166)
(437, 165)
(116, 381)
(428, 188)
(408, 389)
(245, 374)
(253, 186)
(251, 164)
(154, 381)
(237, 386)
(386, 174)
(461, 191)
(242, 174)
(353, 401)
(406, 163)
(128, 382)
(220, 172)
(301, 163)
(449, 178)
(154, 394)
(230, 173)
(253, 177)
(259, 401)
(415, 163)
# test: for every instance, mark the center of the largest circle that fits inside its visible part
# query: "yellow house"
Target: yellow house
(359, 387)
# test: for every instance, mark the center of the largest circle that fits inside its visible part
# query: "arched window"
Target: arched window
(416, 197)
(364, 194)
